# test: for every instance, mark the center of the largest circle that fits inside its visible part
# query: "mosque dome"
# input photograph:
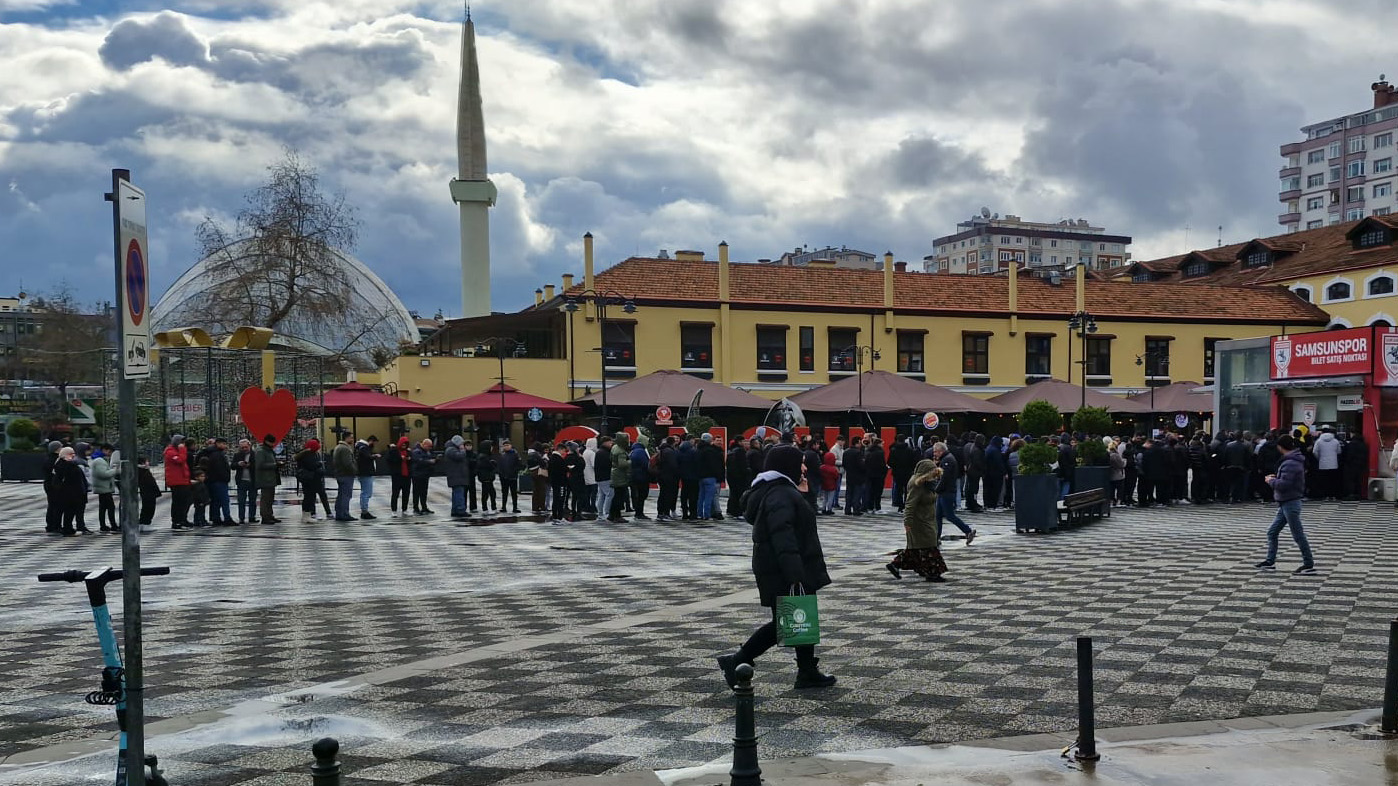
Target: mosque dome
(352, 314)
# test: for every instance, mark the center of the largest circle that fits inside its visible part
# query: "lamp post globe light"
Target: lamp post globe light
(1160, 361)
(500, 343)
(1085, 325)
(602, 299)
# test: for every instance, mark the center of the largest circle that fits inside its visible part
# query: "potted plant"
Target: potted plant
(1036, 487)
(24, 459)
(1093, 470)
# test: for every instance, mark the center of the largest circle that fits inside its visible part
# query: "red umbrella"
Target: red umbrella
(491, 402)
(353, 399)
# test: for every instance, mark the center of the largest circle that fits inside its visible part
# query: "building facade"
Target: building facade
(829, 256)
(1343, 170)
(776, 330)
(990, 244)
(1350, 269)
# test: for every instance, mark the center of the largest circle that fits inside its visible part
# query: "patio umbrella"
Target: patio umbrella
(500, 398)
(884, 391)
(353, 399)
(1177, 397)
(676, 389)
(1067, 397)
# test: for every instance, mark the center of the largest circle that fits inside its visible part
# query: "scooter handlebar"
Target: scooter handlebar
(74, 576)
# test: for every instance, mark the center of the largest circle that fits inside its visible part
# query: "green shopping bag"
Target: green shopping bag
(798, 619)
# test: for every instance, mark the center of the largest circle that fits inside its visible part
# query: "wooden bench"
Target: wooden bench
(1082, 506)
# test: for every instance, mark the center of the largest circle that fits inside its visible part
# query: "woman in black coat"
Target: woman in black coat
(69, 491)
(738, 477)
(786, 555)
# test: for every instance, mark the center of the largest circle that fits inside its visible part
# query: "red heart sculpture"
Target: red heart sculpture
(266, 414)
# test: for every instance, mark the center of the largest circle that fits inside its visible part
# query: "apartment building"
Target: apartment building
(1344, 169)
(988, 244)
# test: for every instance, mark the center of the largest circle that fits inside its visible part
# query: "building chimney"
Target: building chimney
(723, 272)
(689, 256)
(587, 275)
(1081, 295)
(548, 292)
(900, 267)
(567, 281)
(1383, 92)
(538, 297)
(1014, 298)
(888, 292)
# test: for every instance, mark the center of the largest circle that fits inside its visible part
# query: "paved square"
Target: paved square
(446, 654)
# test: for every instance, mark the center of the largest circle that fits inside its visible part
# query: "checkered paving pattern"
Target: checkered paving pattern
(1183, 627)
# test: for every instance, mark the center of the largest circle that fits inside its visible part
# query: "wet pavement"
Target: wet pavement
(520, 650)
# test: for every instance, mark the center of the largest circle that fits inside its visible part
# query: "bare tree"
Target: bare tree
(71, 341)
(281, 257)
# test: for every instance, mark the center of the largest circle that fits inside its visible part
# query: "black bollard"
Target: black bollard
(1390, 684)
(745, 771)
(1087, 723)
(326, 770)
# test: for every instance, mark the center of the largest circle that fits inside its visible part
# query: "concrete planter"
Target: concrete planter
(1085, 478)
(22, 466)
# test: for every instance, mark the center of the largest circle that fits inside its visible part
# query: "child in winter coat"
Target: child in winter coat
(829, 484)
(199, 493)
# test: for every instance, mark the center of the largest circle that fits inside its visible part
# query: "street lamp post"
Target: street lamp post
(1084, 324)
(1160, 361)
(601, 300)
(858, 352)
(501, 343)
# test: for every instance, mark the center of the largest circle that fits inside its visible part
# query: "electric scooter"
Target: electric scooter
(113, 692)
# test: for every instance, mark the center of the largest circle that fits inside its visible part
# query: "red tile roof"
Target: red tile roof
(1297, 254)
(779, 286)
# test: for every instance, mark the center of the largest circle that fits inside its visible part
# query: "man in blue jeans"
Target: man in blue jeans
(1288, 487)
(946, 491)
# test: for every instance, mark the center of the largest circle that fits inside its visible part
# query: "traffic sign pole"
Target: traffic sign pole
(130, 525)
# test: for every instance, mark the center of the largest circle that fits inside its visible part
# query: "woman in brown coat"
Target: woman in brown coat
(922, 554)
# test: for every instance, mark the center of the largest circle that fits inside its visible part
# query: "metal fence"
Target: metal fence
(194, 391)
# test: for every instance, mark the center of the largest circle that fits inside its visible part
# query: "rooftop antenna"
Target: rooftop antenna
(1186, 235)
(1220, 236)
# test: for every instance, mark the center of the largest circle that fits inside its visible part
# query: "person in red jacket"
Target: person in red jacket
(177, 479)
(400, 468)
(829, 484)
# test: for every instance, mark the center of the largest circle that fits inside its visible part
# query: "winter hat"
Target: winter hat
(313, 445)
(458, 441)
(402, 442)
(176, 439)
(706, 437)
(54, 446)
(785, 459)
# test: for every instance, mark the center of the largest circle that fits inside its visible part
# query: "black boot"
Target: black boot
(728, 664)
(808, 674)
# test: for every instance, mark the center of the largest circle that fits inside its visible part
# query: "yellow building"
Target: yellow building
(777, 330)
(1349, 270)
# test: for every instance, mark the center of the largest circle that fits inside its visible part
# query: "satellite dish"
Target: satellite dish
(985, 212)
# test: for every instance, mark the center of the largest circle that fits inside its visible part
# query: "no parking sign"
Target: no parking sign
(133, 281)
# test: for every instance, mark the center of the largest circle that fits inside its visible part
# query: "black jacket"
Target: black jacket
(575, 464)
(755, 459)
(68, 483)
(951, 470)
(216, 469)
(365, 463)
(1155, 464)
(668, 465)
(710, 460)
(1237, 454)
(687, 459)
(558, 469)
(975, 460)
(875, 467)
(854, 465)
(739, 477)
(785, 544)
(1067, 460)
(902, 459)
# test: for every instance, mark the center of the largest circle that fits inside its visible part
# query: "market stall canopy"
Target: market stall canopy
(884, 391)
(354, 399)
(1067, 397)
(1177, 397)
(675, 389)
(487, 404)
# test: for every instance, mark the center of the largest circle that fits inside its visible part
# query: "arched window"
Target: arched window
(1337, 291)
(1383, 285)
(1304, 293)
(1381, 323)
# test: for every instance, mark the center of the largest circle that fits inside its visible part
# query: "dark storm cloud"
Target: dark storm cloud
(929, 163)
(164, 35)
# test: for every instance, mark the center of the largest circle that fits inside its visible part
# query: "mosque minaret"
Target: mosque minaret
(471, 190)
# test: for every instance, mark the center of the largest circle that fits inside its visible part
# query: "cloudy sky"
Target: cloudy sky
(654, 124)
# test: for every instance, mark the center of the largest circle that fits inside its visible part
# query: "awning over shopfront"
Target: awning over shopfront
(1177, 397)
(1067, 397)
(354, 399)
(884, 391)
(675, 389)
(498, 398)
(1309, 382)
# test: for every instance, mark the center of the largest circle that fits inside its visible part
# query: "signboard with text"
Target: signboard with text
(1386, 357)
(1328, 353)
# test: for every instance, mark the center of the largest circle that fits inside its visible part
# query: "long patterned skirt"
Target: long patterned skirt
(925, 562)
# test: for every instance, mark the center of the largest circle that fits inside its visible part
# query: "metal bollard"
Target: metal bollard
(326, 770)
(745, 771)
(1390, 683)
(1087, 723)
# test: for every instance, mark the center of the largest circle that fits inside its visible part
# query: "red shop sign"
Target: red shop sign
(1329, 353)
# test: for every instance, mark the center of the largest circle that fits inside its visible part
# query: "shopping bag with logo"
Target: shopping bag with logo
(798, 618)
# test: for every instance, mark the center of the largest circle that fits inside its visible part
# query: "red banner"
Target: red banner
(1329, 353)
